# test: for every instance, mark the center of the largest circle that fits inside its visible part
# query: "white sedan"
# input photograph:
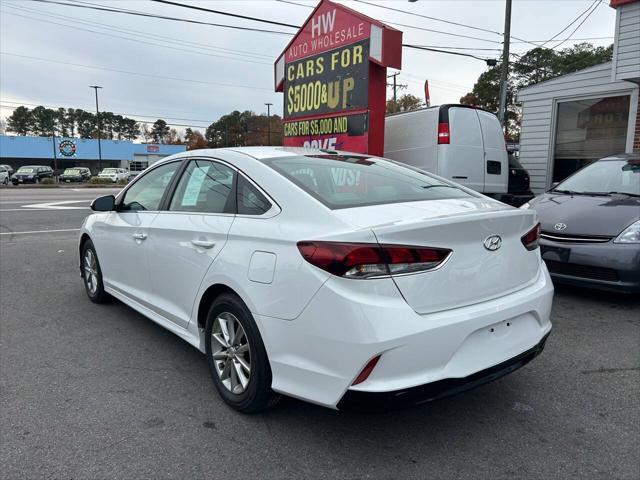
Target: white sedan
(342, 279)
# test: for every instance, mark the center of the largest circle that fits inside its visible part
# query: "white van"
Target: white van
(461, 143)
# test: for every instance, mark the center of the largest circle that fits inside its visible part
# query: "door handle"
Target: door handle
(203, 243)
(140, 236)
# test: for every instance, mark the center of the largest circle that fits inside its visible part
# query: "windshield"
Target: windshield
(604, 177)
(25, 170)
(341, 181)
(110, 170)
(71, 171)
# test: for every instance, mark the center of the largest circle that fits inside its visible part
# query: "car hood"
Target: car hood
(585, 214)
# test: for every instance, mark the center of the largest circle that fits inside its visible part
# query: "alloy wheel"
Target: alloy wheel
(91, 271)
(231, 352)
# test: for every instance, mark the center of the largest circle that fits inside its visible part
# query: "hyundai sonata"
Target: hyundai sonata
(345, 280)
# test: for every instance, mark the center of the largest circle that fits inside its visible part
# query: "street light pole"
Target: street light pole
(268, 122)
(96, 87)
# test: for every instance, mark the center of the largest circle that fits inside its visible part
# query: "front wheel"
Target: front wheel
(236, 356)
(92, 274)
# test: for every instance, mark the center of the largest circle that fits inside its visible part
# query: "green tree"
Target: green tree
(44, 121)
(20, 121)
(130, 129)
(86, 124)
(404, 103)
(160, 131)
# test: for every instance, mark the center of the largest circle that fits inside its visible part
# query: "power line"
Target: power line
(218, 12)
(435, 19)
(163, 17)
(418, 47)
(132, 32)
(578, 39)
(127, 72)
(137, 40)
(595, 7)
(569, 25)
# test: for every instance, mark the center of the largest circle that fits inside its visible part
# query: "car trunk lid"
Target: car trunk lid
(473, 273)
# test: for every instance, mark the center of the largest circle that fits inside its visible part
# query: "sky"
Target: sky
(192, 74)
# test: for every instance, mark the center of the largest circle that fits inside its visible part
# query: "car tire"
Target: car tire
(92, 274)
(231, 360)
(6, 181)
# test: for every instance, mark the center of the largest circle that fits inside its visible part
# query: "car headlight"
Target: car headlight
(631, 234)
(525, 206)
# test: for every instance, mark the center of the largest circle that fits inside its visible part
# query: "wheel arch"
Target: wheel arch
(83, 239)
(208, 297)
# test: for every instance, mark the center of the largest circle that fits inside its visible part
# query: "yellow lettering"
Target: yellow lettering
(309, 68)
(290, 73)
(319, 65)
(347, 86)
(357, 54)
(345, 58)
(334, 60)
(300, 71)
(333, 94)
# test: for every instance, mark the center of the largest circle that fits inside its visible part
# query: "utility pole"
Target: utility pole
(395, 90)
(268, 122)
(55, 157)
(96, 87)
(505, 64)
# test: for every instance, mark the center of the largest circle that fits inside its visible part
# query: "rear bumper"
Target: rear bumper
(604, 266)
(375, 401)
(317, 356)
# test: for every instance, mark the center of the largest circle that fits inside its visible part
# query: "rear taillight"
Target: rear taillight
(530, 239)
(443, 133)
(370, 260)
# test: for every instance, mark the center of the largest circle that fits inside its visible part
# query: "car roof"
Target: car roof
(257, 153)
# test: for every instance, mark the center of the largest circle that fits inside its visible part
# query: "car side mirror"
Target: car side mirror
(104, 204)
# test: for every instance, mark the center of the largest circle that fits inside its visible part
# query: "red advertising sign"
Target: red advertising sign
(333, 76)
(153, 148)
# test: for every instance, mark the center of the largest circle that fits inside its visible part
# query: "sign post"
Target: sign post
(333, 75)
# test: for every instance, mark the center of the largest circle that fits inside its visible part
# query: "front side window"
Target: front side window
(342, 181)
(147, 192)
(205, 187)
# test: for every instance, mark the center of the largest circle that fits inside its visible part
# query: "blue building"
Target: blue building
(64, 153)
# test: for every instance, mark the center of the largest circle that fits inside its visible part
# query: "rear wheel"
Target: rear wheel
(91, 274)
(236, 356)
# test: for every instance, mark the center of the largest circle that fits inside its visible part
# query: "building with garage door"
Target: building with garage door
(61, 153)
(573, 120)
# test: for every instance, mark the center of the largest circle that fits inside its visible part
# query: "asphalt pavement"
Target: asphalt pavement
(99, 391)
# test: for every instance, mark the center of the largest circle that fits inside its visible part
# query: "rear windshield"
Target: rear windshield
(25, 170)
(341, 181)
(110, 170)
(72, 171)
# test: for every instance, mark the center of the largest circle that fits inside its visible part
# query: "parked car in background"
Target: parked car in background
(31, 174)
(75, 174)
(115, 174)
(591, 225)
(343, 279)
(8, 168)
(4, 175)
(460, 143)
(519, 187)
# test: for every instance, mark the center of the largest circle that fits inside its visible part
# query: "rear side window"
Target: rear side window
(205, 187)
(341, 181)
(250, 200)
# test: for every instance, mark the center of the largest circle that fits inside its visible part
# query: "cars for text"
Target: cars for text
(31, 174)
(341, 279)
(591, 225)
